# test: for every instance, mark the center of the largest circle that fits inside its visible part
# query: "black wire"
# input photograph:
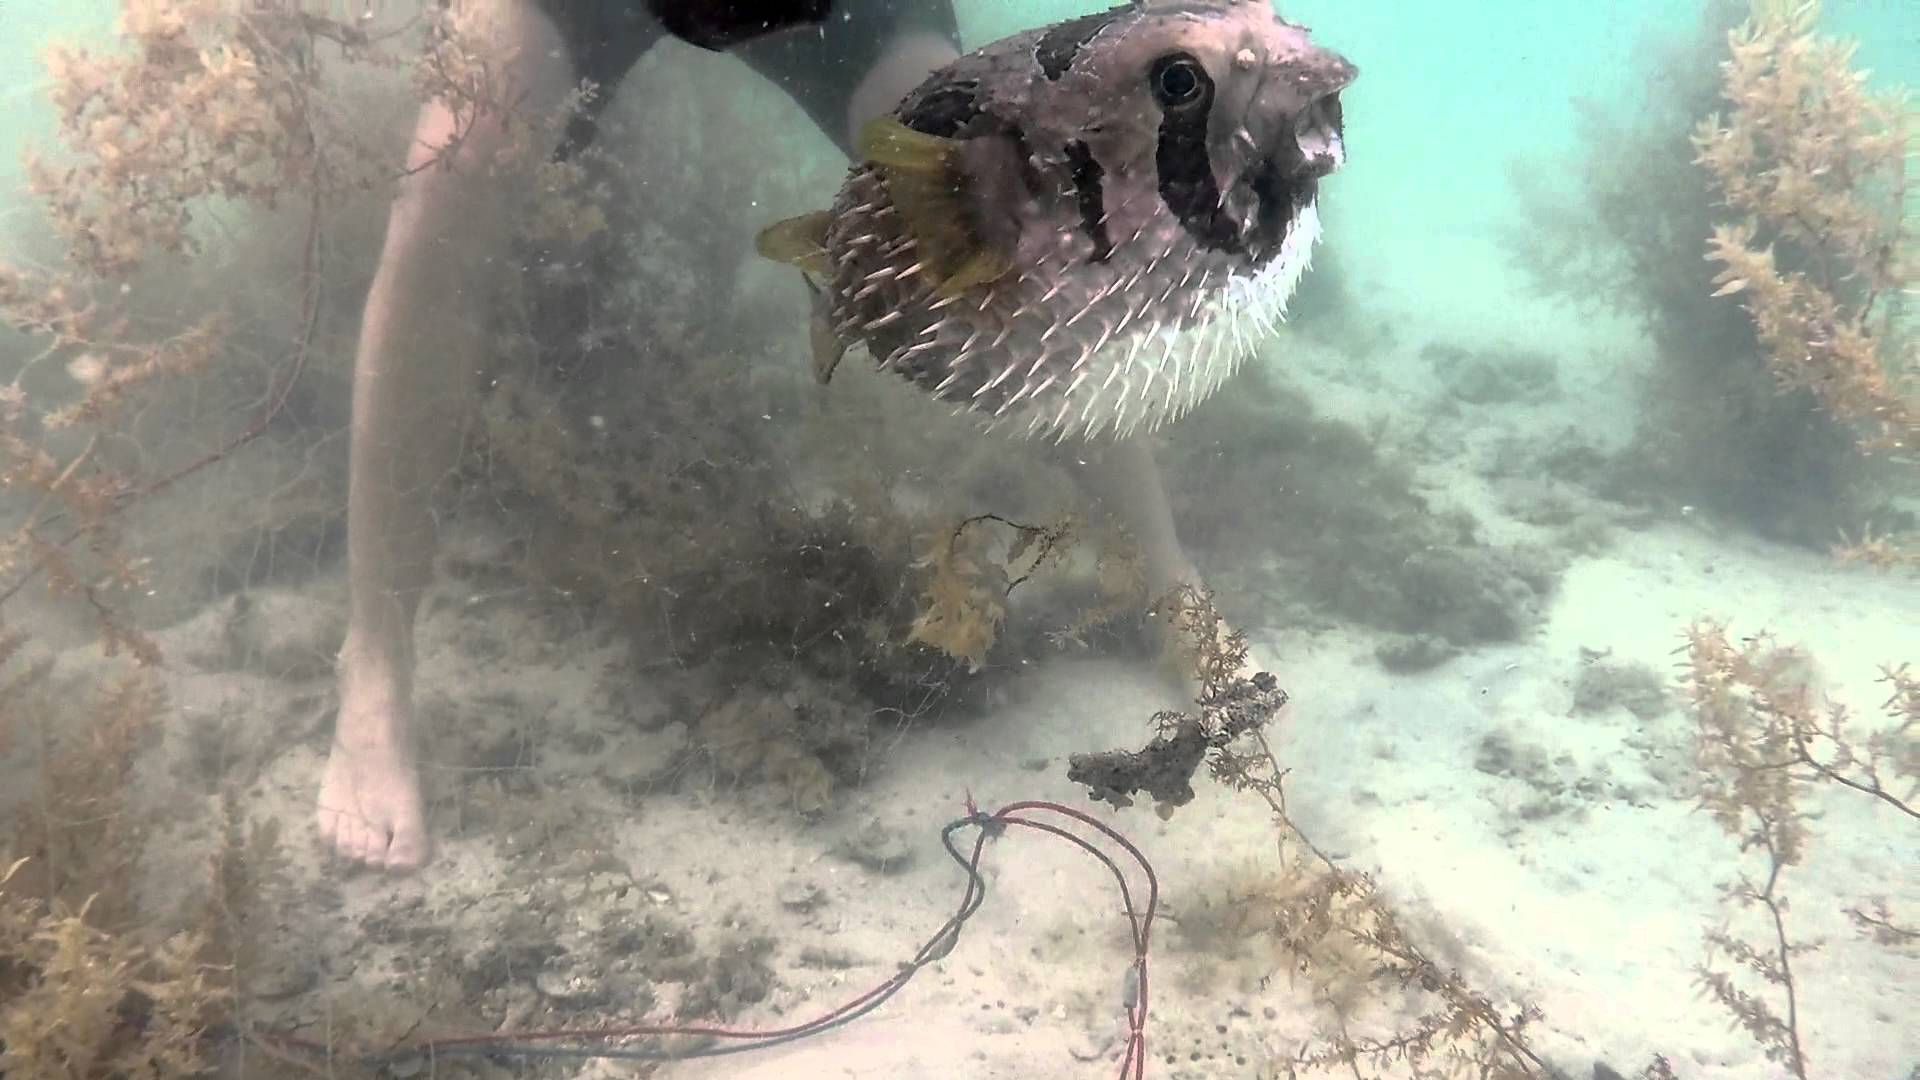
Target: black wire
(1126, 895)
(935, 949)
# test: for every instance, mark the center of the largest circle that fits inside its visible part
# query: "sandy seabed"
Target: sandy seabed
(586, 873)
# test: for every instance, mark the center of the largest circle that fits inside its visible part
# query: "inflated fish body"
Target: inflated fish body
(1087, 227)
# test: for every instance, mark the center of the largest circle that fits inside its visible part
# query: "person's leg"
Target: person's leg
(419, 342)
(1124, 480)
(859, 62)
(908, 59)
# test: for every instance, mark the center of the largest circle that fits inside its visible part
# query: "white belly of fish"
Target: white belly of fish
(1076, 353)
(1158, 372)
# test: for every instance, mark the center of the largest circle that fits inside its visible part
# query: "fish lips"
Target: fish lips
(1307, 88)
(1318, 147)
(1309, 148)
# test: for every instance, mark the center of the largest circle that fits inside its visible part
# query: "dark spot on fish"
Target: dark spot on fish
(1279, 201)
(945, 110)
(1089, 191)
(1023, 151)
(1060, 44)
(1187, 186)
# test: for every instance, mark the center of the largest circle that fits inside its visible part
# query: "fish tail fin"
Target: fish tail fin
(797, 241)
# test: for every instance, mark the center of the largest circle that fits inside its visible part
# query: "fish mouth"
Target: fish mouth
(1289, 177)
(1318, 148)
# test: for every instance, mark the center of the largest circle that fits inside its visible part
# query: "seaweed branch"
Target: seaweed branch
(965, 601)
(1817, 163)
(1330, 920)
(1233, 706)
(1761, 737)
(204, 105)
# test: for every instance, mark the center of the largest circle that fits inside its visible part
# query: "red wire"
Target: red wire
(1135, 1061)
(1140, 921)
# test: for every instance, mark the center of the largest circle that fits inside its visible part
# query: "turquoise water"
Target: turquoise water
(683, 763)
(1448, 97)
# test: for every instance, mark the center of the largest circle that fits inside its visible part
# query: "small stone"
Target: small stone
(273, 632)
(800, 895)
(826, 958)
(996, 1025)
(876, 847)
(567, 987)
(1406, 654)
(283, 976)
(1091, 1046)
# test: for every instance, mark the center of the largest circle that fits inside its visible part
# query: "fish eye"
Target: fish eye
(1177, 80)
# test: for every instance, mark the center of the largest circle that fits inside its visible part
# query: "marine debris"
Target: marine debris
(1232, 705)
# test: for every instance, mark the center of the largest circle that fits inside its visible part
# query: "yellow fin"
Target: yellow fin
(798, 241)
(890, 144)
(928, 185)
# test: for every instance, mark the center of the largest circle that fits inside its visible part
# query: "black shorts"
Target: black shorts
(818, 51)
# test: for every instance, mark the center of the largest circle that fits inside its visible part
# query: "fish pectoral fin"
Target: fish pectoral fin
(930, 180)
(892, 145)
(797, 241)
(828, 349)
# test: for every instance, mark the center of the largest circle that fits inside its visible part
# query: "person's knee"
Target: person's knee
(860, 62)
(904, 64)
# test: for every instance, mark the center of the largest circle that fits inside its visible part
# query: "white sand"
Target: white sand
(1577, 878)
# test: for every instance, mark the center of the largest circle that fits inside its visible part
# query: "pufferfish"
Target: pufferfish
(1086, 227)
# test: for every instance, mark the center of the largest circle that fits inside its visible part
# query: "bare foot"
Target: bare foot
(370, 810)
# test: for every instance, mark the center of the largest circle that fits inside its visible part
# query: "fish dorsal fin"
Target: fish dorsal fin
(797, 241)
(927, 181)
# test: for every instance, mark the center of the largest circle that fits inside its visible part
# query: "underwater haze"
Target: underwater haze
(458, 619)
